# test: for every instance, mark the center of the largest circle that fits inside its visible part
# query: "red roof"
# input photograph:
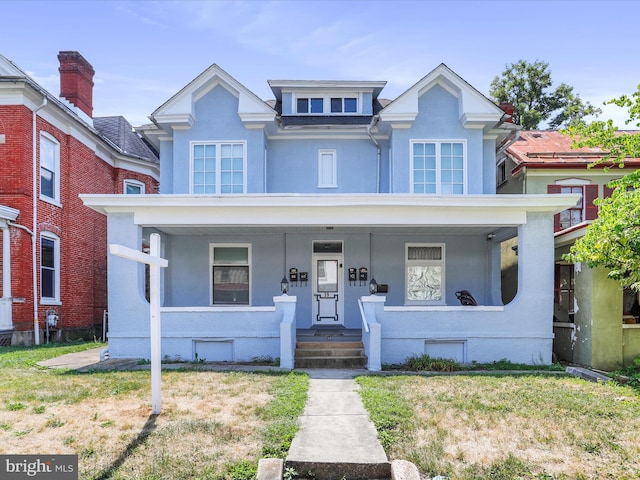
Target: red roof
(551, 149)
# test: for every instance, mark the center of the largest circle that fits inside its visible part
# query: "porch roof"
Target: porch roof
(355, 210)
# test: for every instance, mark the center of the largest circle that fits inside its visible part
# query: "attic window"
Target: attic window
(537, 135)
(344, 105)
(310, 105)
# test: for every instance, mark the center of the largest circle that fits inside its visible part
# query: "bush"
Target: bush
(426, 363)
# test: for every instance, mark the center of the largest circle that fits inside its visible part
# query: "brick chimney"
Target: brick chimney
(76, 81)
(509, 109)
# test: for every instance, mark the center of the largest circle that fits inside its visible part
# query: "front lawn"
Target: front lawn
(213, 425)
(472, 427)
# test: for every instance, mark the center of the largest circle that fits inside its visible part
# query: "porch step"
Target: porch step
(338, 354)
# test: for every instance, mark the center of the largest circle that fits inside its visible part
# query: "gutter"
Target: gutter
(374, 120)
(34, 230)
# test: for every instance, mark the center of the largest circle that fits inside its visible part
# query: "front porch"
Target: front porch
(220, 293)
(388, 334)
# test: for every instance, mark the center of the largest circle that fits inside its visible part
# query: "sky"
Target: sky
(144, 51)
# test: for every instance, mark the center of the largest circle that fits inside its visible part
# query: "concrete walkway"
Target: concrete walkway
(74, 361)
(336, 436)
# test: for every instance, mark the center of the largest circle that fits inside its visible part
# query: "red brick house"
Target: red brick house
(53, 255)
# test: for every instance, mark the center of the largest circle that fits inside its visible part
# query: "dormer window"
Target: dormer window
(326, 104)
(344, 105)
(310, 105)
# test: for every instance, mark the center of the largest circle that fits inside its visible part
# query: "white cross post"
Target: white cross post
(155, 263)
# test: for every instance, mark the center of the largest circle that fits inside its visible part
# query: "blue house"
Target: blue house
(376, 213)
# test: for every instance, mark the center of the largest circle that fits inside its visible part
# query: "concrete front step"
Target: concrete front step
(329, 352)
(329, 345)
(330, 355)
(331, 362)
(340, 470)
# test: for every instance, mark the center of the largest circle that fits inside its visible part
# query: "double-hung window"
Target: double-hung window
(49, 168)
(582, 211)
(218, 167)
(49, 268)
(230, 274)
(438, 167)
(424, 268)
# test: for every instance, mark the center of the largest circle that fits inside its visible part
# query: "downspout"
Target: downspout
(36, 323)
(374, 120)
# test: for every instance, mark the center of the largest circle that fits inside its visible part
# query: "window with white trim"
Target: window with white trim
(438, 167)
(49, 268)
(49, 168)
(583, 210)
(501, 172)
(323, 104)
(218, 167)
(230, 274)
(344, 105)
(133, 187)
(310, 105)
(425, 271)
(327, 169)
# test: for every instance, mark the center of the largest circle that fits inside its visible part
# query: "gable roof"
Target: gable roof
(552, 149)
(179, 109)
(474, 107)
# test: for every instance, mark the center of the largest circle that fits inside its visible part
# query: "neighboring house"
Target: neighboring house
(595, 322)
(332, 187)
(54, 260)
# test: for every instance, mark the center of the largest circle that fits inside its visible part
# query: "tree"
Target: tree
(613, 239)
(527, 87)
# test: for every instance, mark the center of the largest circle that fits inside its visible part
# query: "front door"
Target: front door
(328, 283)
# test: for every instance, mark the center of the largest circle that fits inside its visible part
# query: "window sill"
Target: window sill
(51, 201)
(50, 301)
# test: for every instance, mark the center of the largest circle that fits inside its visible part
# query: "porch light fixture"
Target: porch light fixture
(284, 285)
(373, 286)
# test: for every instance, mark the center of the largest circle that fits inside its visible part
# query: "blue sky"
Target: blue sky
(143, 51)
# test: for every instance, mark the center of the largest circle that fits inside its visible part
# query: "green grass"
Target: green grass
(27, 357)
(183, 442)
(500, 426)
(281, 414)
(388, 410)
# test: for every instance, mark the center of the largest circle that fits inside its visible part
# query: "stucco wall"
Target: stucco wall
(217, 119)
(439, 118)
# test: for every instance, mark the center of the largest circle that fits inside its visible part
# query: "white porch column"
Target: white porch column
(286, 309)
(373, 307)
(6, 320)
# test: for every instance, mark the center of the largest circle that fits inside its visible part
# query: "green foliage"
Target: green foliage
(612, 241)
(421, 363)
(389, 411)
(242, 471)
(290, 395)
(604, 134)
(527, 86)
